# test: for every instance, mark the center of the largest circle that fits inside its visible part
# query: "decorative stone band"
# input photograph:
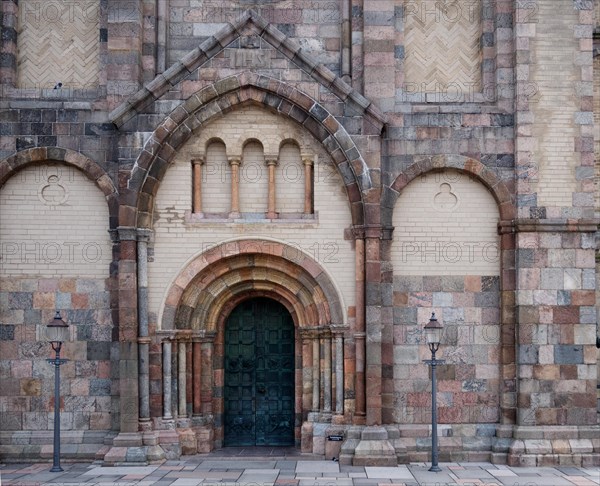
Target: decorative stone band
(549, 226)
(360, 232)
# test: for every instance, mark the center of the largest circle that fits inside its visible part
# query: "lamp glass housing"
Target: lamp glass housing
(57, 330)
(433, 330)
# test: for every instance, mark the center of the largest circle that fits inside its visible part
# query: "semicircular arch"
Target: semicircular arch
(229, 94)
(472, 167)
(39, 155)
(198, 294)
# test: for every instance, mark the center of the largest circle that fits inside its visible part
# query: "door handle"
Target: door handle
(262, 390)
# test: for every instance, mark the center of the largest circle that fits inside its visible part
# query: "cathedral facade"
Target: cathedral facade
(248, 210)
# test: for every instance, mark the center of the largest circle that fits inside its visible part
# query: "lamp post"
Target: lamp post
(57, 332)
(433, 335)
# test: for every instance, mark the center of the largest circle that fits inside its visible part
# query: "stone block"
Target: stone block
(7, 332)
(568, 354)
(98, 350)
(581, 446)
(100, 386)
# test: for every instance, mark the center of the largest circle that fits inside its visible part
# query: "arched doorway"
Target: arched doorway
(259, 375)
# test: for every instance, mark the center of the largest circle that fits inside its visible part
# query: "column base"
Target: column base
(374, 448)
(134, 449)
(555, 445)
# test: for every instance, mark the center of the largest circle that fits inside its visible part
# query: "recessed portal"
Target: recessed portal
(259, 375)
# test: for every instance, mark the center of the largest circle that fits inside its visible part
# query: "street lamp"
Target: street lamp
(57, 332)
(433, 335)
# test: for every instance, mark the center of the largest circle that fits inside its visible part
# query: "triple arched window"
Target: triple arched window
(252, 178)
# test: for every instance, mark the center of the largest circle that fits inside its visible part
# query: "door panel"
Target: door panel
(259, 375)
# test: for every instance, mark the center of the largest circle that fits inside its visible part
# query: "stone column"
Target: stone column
(181, 378)
(197, 377)
(271, 207)
(161, 37)
(359, 331)
(307, 375)
(175, 379)
(308, 185)
(373, 326)
(143, 340)
(339, 372)
(346, 51)
(326, 342)
(197, 164)
(166, 361)
(234, 162)
(316, 385)
(128, 346)
(207, 374)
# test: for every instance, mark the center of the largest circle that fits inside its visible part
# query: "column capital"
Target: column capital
(309, 332)
(371, 231)
(234, 160)
(144, 234)
(271, 161)
(127, 233)
(308, 160)
(198, 160)
(338, 330)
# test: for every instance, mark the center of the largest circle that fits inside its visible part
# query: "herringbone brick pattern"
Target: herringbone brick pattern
(58, 42)
(443, 44)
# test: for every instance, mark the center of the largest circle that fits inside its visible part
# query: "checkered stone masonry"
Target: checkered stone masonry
(556, 355)
(27, 392)
(423, 133)
(469, 307)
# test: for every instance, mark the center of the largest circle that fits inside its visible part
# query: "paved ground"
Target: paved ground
(277, 468)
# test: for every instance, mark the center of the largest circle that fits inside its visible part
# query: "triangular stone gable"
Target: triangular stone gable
(249, 25)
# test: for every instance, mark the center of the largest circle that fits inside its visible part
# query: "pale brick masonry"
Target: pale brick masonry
(329, 92)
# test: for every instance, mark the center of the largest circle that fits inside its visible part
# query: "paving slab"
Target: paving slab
(292, 470)
(502, 473)
(318, 466)
(186, 482)
(235, 463)
(398, 472)
(475, 473)
(119, 470)
(536, 481)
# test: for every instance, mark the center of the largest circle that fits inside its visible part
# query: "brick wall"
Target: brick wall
(216, 180)
(54, 224)
(289, 180)
(445, 224)
(254, 179)
(554, 125)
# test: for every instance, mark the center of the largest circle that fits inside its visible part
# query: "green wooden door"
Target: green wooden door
(259, 375)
